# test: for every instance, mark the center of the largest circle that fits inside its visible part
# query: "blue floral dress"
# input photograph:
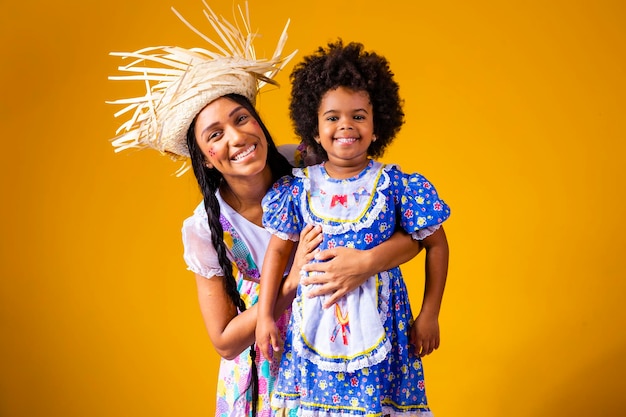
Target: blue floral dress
(353, 358)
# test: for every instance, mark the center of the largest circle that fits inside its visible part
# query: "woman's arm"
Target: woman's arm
(232, 333)
(346, 268)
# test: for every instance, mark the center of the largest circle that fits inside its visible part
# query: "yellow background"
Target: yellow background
(515, 110)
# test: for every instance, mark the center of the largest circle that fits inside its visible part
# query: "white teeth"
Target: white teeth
(244, 153)
(346, 140)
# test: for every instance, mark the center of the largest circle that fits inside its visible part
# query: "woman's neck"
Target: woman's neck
(245, 196)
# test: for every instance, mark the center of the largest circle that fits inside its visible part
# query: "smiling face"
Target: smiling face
(231, 140)
(346, 130)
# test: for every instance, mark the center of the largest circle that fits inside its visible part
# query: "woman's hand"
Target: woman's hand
(341, 271)
(310, 238)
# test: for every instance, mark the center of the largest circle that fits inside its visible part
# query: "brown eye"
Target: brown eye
(214, 135)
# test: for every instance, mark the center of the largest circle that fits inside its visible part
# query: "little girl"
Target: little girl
(353, 358)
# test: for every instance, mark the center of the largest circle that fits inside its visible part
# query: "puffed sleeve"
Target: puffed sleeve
(199, 253)
(421, 209)
(281, 214)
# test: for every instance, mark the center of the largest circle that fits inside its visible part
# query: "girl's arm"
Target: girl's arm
(425, 331)
(274, 264)
(310, 238)
(346, 268)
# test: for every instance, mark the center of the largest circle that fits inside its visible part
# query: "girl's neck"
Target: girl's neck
(342, 171)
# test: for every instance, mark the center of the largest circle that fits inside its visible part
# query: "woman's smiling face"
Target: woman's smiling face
(231, 140)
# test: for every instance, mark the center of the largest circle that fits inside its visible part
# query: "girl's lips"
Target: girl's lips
(242, 154)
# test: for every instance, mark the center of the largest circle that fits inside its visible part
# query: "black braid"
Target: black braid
(209, 181)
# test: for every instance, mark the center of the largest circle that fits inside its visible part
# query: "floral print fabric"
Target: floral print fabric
(353, 358)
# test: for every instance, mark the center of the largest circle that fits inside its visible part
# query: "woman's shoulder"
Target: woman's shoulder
(198, 251)
(197, 222)
(299, 155)
(198, 213)
(291, 151)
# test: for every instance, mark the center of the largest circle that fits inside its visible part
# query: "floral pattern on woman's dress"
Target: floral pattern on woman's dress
(233, 396)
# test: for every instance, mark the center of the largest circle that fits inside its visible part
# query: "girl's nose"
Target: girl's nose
(346, 124)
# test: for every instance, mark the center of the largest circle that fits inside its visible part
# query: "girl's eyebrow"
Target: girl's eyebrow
(336, 111)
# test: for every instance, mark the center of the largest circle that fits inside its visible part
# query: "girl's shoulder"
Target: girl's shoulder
(395, 171)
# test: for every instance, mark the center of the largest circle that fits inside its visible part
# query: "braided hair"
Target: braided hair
(209, 180)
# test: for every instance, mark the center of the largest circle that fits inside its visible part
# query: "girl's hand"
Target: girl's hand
(267, 337)
(425, 334)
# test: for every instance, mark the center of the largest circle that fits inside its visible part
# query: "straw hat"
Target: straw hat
(180, 82)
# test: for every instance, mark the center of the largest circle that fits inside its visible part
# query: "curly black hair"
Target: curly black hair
(352, 67)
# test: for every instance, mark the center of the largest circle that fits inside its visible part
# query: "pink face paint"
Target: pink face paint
(211, 152)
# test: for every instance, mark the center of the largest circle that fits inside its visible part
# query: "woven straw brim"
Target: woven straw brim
(183, 101)
(180, 82)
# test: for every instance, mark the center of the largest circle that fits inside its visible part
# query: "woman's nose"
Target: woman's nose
(235, 135)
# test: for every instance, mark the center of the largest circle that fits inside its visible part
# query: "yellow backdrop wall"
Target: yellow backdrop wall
(515, 110)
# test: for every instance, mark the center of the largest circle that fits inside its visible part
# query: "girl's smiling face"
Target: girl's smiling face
(231, 140)
(346, 130)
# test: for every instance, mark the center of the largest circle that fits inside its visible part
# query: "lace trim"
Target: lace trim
(371, 215)
(387, 411)
(378, 354)
(207, 273)
(281, 404)
(284, 236)
(424, 233)
(363, 361)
